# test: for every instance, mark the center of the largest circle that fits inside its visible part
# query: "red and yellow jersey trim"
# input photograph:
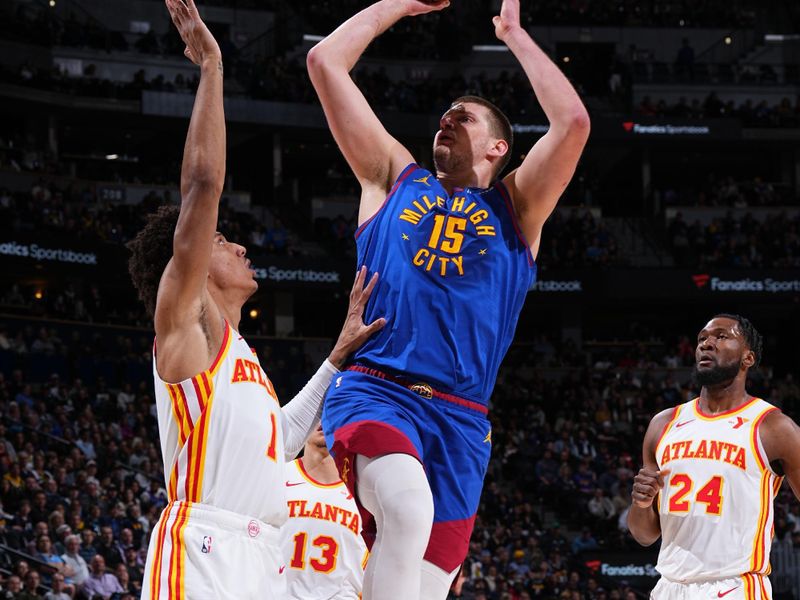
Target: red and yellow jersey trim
(301, 467)
(675, 413)
(178, 557)
(763, 462)
(768, 488)
(194, 396)
(754, 588)
(728, 413)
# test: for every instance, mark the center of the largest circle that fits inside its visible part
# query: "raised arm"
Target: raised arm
(643, 521)
(182, 293)
(542, 177)
(375, 157)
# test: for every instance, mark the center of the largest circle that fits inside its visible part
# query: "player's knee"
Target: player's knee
(410, 509)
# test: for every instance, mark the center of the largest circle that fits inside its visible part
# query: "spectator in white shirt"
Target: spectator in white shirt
(74, 560)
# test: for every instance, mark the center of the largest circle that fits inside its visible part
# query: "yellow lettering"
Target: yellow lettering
(428, 203)
(443, 268)
(410, 216)
(419, 207)
(470, 207)
(479, 216)
(431, 260)
(485, 230)
(440, 201)
(458, 204)
(419, 259)
(458, 261)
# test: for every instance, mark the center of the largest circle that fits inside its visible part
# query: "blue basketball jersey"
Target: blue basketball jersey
(454, 273)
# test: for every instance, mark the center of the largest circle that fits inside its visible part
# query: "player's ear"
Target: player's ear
(499, 148)
(749, 359)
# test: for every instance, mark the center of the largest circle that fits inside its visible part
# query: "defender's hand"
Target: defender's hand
(646, 486)
(508, 20)
(421, 7)
(355, 332)
(200, 44)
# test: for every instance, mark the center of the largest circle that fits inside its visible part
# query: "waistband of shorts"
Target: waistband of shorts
(421, 388)
(219, 518)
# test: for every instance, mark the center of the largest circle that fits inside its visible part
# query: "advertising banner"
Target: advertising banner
(636, 568)
(52, 255)
(649, 129)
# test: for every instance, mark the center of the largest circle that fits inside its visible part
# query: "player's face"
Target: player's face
(463, 137)
(229, 266)
(317, 440)
(719, 352)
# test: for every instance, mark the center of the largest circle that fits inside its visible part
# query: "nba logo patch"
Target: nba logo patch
(206, 547)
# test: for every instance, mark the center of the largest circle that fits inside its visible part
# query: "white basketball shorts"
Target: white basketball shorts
(198, 552)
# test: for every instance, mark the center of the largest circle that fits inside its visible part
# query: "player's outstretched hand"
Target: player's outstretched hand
(646, 485)
(421, 7)
(200, 44)
(508, 20)
(355, 332)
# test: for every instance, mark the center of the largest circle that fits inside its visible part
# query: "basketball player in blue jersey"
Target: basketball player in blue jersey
(455, 248)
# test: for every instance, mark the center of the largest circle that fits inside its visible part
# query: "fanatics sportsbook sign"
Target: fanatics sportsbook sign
(636, 568)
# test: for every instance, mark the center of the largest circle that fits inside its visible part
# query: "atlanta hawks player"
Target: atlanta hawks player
(321, 541)
(224, 436)
(712, 467)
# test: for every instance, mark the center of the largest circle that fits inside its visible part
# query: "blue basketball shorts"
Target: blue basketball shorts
(372, 416)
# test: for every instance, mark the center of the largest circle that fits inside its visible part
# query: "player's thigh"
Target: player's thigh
(457, 448)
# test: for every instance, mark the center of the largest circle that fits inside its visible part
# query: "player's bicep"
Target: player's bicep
(537, 184)
(780, 436)
(374, 155)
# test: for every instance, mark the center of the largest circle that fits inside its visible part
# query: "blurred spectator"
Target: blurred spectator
(101, 583)
(78, 571)
(58, 589)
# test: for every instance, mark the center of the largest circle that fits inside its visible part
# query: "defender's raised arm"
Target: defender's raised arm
(181, 296)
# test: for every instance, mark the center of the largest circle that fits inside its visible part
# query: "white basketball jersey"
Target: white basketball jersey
(716, 506)
(221, 435)
(321, 542)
